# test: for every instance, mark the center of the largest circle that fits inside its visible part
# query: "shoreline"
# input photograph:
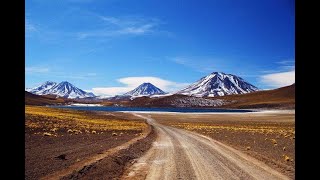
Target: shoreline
(237, 111)
(255, 111)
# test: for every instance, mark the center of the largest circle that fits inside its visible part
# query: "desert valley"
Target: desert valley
(204, 141)
(160, 90)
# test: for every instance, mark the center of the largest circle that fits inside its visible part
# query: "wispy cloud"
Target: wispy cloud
(29, 27)
(129, 21)
(79, 76)
(91, 74)
(286, 65)
(137, 30)
(35, 69)
(286, 62)
(79, 1)
(106, 27)
(200, 64)
(66, 1)
(277, 80)
(132, 82)
(51, 73)
(114, 26)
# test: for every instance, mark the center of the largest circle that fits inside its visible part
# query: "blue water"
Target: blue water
(184, 110)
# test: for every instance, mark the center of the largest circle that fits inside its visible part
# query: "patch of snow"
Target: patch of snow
(79, 104)
(160, 95)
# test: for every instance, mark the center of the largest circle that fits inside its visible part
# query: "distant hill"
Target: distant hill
(278, 98)
(32, 99)
(175, 100)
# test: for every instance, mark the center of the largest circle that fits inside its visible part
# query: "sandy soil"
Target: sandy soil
(266, 136)
(181, 154)
(63, 142)
(42, 152)
(113, 166)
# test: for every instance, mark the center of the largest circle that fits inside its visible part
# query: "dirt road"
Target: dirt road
(180, 154)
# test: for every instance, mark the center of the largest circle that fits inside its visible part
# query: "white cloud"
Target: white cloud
(133, 82)
(277, 80)
(110, 91)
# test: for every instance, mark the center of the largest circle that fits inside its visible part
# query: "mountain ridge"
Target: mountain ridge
(280, 98)
(62, 89)
(145, 89)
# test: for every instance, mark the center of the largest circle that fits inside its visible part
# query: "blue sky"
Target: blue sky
(110, 46)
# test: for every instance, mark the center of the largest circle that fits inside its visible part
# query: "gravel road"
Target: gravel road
(181, 154)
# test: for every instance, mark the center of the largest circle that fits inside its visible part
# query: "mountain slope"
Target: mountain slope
(63, 89)
(68, 90)
(278, 98)
(43, 88)
(218, 84)
(283, 98)
(176, 100)
(145, 89)
(32, 99)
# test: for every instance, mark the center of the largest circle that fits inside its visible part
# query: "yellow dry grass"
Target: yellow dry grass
(262, 129)
(76, 121)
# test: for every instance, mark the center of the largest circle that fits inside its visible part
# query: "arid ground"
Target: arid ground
(70, 144)
(56, 139)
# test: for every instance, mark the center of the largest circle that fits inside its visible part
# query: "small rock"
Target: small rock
(47, 134)
(286, 158)
(70, 131)
(62, 156)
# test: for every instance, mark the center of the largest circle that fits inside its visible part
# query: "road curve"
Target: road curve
(181, 154)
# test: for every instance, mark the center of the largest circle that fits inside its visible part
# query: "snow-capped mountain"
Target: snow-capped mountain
(218, 84)
(63, 89)
(42, 89)
(145, 89)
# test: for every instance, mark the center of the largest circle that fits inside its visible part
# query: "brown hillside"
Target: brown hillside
(283, 98)
(278, 98)
(32, 99)
(155, 102)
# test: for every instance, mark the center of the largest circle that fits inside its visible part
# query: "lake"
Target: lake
(183, 110)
